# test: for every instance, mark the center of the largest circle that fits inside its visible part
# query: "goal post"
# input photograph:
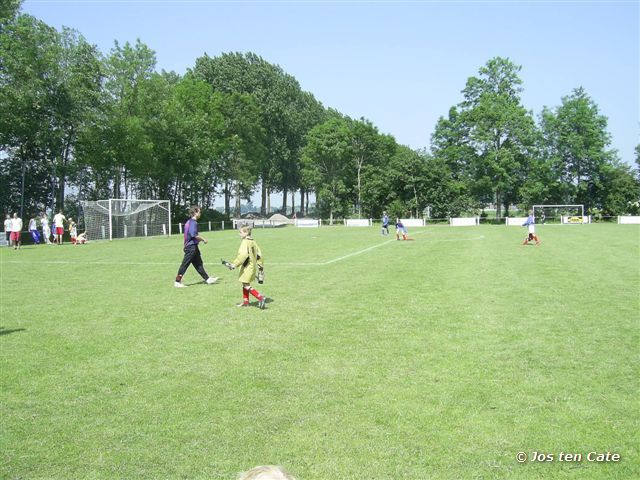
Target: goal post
(126, 218)
(560, 214)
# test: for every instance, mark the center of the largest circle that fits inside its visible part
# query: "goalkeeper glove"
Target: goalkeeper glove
(230, 266)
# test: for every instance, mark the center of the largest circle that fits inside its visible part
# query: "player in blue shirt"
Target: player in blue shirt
(385, 224)
(531, 223)
(191, 251)
(400, 230)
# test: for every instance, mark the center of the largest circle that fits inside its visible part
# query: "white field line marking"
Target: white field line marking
(296, 264)
(357, 253)
(344, 257)
(80, 262)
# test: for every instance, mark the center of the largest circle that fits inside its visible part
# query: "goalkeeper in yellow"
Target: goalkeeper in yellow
(250, 262)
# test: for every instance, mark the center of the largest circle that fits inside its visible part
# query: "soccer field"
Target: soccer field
(440, 358)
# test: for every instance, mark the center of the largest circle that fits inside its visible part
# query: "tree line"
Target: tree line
(77, 124)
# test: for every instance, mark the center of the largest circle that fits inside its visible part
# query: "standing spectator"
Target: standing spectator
(16, 229)
(385, 224)
(33, 230)
(7, 229)
(73, 231)
(46, 230)
(58, 223)
(191, 251)
(249, 259)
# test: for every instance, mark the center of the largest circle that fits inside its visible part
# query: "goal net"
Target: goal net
(121, 218)
(559, 214)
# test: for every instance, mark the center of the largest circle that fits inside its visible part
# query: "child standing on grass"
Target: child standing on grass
(58, 222)
(385, 224)
(73, 231)
(191, 251)
(46, 230)
(7, 229)
(33, 230)
(16, 229)
(249, 259)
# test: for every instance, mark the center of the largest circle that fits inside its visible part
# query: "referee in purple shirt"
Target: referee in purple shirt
(191, 251)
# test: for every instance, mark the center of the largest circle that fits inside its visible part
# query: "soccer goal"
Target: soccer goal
(123, 218)
(560, 214)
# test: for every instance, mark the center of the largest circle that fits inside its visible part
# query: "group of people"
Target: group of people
(13, 230)
(249, 259)
(401, 230)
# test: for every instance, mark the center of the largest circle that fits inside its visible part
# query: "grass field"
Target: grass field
(440, 358)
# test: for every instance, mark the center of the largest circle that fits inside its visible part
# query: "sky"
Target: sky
(400, 64)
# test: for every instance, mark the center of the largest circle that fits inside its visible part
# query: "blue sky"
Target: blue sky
(400, 64)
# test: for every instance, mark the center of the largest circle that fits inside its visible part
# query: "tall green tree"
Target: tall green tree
(500, 130)
(119, 148)
(50, 88)
(616, 191)
(242, 148)
(453, 157)
(287, 113)
(327, 161)
(368, 148)
(576, 140)
(77, 101)
(29, 50)
(8, 11)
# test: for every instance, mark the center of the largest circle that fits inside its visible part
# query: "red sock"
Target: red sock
(255, 293)
(245, 295)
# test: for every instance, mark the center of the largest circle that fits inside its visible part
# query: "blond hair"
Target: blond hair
(246, 229)
(266, 472)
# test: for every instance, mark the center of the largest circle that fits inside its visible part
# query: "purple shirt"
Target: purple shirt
(191, 232)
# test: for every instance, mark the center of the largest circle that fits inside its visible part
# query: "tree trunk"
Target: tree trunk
(238, 211)
(227, 199)
(53, 193)
(268, 202)
(285, 192)
(116, 184)
(302, 201)
(293, 203)
(61, 188)
(263, 200)
(24, 171)
(65, 161)
(498, 204)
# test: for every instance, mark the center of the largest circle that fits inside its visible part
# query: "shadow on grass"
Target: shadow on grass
(267, 301)
(203, 283)
(7, 331)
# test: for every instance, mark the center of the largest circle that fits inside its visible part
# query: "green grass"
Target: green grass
(434, 359)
